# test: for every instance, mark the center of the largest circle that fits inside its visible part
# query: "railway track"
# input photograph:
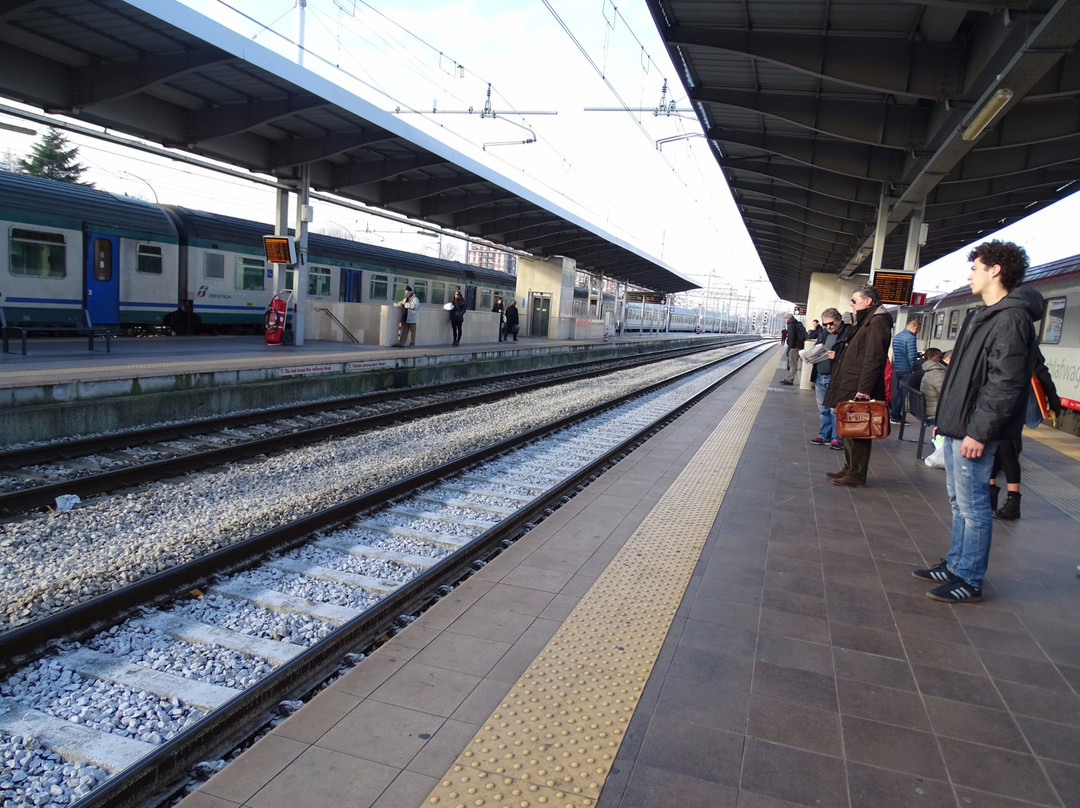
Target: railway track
(34, 477)
(402, 545)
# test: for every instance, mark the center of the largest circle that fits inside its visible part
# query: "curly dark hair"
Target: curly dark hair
(1012, 258)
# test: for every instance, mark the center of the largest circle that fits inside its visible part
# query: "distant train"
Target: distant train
(1058, 331)
(657, 317)
(137, 266)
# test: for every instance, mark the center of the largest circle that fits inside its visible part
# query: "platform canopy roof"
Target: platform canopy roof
(155, 69)
(818, 110)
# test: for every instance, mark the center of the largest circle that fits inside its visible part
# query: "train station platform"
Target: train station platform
(60, 388)
(712, 623)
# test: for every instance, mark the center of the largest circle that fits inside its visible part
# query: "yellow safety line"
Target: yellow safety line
(1064, 442)
(553, 739)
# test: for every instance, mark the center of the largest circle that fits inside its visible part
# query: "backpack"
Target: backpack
(800, 332)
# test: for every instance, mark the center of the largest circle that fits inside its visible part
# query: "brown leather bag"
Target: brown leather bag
(862, 419)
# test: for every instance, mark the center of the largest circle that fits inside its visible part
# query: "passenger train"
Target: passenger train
(1058, 331)
(138, 266)
(656, 317)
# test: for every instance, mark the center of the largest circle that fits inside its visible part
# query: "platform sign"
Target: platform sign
(918, 298)
(280, 249)
(893, 285)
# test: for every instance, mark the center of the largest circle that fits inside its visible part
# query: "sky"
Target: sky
(647, 178)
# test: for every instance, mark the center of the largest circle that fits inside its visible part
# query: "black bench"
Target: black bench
(915, 404)
(75, 321)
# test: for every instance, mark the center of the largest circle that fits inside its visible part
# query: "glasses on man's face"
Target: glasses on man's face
(855, 301)
(829, 324)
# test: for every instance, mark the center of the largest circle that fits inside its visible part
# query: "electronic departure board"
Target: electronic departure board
(894, 286)
(280, 249)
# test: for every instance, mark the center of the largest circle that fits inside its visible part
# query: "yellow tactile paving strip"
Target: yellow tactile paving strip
(553, 739)
(1064, 442)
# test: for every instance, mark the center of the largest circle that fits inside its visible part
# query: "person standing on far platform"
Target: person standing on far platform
(498, 308)
(457, 316)
(412, 317)
(858, 372)
(511, 315)
(796, 341)
(983, 401)
(905, 354)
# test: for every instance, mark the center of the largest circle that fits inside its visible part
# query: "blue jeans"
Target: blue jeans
(896, 404)
(827, 431)
(968, 484)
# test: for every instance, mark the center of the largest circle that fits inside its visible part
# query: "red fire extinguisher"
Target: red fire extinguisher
(276, 319)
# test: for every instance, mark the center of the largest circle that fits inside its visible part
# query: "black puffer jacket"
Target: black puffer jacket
(986, 386)
(859, 366)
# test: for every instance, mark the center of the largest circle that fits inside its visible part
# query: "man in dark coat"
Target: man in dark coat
(511, 315)
(859, 373)
(796, 341)
(982, 402)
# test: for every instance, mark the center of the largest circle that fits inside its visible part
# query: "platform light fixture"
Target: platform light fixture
(986, 115)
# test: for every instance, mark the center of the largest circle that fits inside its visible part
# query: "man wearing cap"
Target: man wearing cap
(412, 316)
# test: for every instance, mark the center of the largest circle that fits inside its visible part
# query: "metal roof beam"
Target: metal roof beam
(210, 122)
(295, 151)
(451, 205)
(502, 212)
(801, 216)
(354, 174)
(802, 198)
(930, 70)
(404, 190)
(874, 123)
(850, 159)
(810, 178)
(99, 82)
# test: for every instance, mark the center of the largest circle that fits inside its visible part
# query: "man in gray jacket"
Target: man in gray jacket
(982, 402)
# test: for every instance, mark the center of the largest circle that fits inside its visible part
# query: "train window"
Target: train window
(420, 289)
(37, 254)
(438, 293)
(399, 287)
(954, 323)
(249, 274)
(148, 260)
(103, 260)
(214, 265)
(485, 299)
(939, 325)
(318, 281)
(380, 285)
(1054, 320)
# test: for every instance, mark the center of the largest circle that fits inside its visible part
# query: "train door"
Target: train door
(349, 291)
(470, 298)
(539, 314)
(103, 279)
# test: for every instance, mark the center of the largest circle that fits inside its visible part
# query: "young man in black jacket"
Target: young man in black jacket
(982, 402)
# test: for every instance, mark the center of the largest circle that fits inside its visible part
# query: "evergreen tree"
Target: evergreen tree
(52, 159)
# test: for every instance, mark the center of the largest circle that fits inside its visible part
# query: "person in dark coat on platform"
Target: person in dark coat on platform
(511, 315)
(983, 402)
(457, 316)
(859, 373)
(498, 308)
